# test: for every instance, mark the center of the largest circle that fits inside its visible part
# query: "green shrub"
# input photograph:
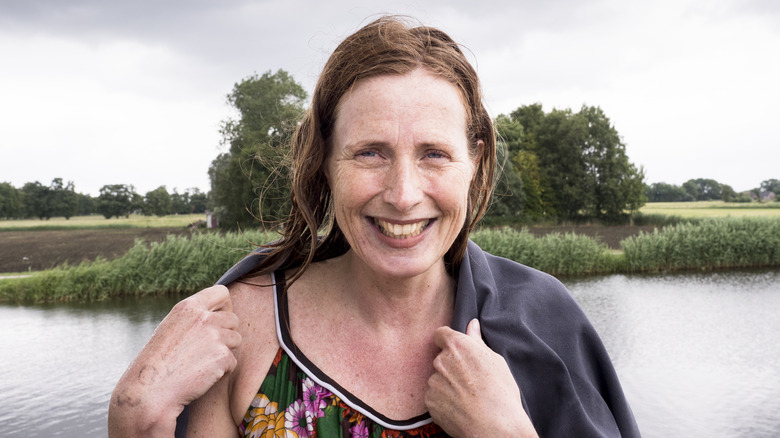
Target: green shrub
(555, 253)
(186, 265)
(176, 265)
(709, 244)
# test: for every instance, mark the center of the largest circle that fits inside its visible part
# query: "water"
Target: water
(697, 354)
(58, 364)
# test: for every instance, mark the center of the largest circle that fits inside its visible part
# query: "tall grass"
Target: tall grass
(558, 254)
(176, 265)
(708, 244)
(185, 265)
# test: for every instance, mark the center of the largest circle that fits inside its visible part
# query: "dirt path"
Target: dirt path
(21, 251)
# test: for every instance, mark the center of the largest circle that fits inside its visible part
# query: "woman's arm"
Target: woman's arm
(187, 354)
(220, 410)
(210, 415)
(472, 391)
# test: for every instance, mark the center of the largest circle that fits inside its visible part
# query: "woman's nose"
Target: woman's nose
(403, 189)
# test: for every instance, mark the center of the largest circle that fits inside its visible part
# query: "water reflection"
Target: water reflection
(60, 362)
(697, 354)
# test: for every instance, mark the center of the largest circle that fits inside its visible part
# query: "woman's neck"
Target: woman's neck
(390, 303)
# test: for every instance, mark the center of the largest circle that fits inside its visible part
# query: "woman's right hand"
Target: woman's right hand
(187, 354)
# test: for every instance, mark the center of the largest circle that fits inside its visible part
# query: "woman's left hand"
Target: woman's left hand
(472, 392)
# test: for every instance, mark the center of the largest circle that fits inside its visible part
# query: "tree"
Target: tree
(249, 180)
(560, 148)
(36, 200)
(180, 202)
(198, 201)
(11, 206)
(574, 164)
(62, 199)
(771, 185)
(728, 194)
(86, 204)
(663, 192)
(702, 189)
(117, 200)
(536, 194)
(157, 202)
(617, 183)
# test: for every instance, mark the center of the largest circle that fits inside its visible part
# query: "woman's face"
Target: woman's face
(399, 170)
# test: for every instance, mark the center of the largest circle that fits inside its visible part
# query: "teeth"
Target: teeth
(398, 231)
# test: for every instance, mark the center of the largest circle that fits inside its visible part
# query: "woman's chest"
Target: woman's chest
(388, 375)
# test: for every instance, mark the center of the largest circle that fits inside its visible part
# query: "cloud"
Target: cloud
(133, 92)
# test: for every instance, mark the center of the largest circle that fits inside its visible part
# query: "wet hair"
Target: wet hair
(390, 45)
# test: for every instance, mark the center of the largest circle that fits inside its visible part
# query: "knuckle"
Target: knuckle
(232, 320)
(185, 305)
(438, 363)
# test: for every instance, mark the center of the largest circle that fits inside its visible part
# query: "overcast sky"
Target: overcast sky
(132, 92)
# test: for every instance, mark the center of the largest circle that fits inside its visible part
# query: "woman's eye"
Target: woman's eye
(434, 154)
(367, 154)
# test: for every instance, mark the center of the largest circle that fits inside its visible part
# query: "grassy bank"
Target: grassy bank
(176, 265)
(185, 265)
(708, 209)
(97, 221)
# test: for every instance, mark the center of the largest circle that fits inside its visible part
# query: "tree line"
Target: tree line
(556, 165)
(58, 199)
(703, 189)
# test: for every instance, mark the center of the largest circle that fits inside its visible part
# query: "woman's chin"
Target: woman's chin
(401, 262)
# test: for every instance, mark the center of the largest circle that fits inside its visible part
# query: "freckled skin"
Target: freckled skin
(400, 153)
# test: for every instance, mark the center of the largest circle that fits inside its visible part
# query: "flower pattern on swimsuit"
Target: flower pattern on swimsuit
(290, 404)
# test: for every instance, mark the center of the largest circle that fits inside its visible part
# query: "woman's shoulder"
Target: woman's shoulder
(253, 302)
(488, 271)
(251, 289)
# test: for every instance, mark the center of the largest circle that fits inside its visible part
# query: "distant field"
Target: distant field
(97, 221)
(712, 209)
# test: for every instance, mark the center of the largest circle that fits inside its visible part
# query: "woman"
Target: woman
(393, 323)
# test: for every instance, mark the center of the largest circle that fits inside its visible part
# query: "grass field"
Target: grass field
(97, 221)
(704, 209)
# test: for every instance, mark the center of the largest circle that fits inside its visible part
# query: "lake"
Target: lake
(697, 354)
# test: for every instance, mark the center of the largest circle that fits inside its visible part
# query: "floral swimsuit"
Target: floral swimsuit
(297, 399)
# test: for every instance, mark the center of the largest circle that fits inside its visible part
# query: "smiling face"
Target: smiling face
(399, 170)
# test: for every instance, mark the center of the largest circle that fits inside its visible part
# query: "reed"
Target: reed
(708, 244)
(176, 265)
(187, 264)
(555, 253)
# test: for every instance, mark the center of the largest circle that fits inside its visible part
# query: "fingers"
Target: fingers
(215, 298)
(444, 337)
(231, 338)
(225, 319)
(474, 330)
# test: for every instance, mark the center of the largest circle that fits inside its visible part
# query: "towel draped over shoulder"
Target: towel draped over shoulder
(566, 378)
